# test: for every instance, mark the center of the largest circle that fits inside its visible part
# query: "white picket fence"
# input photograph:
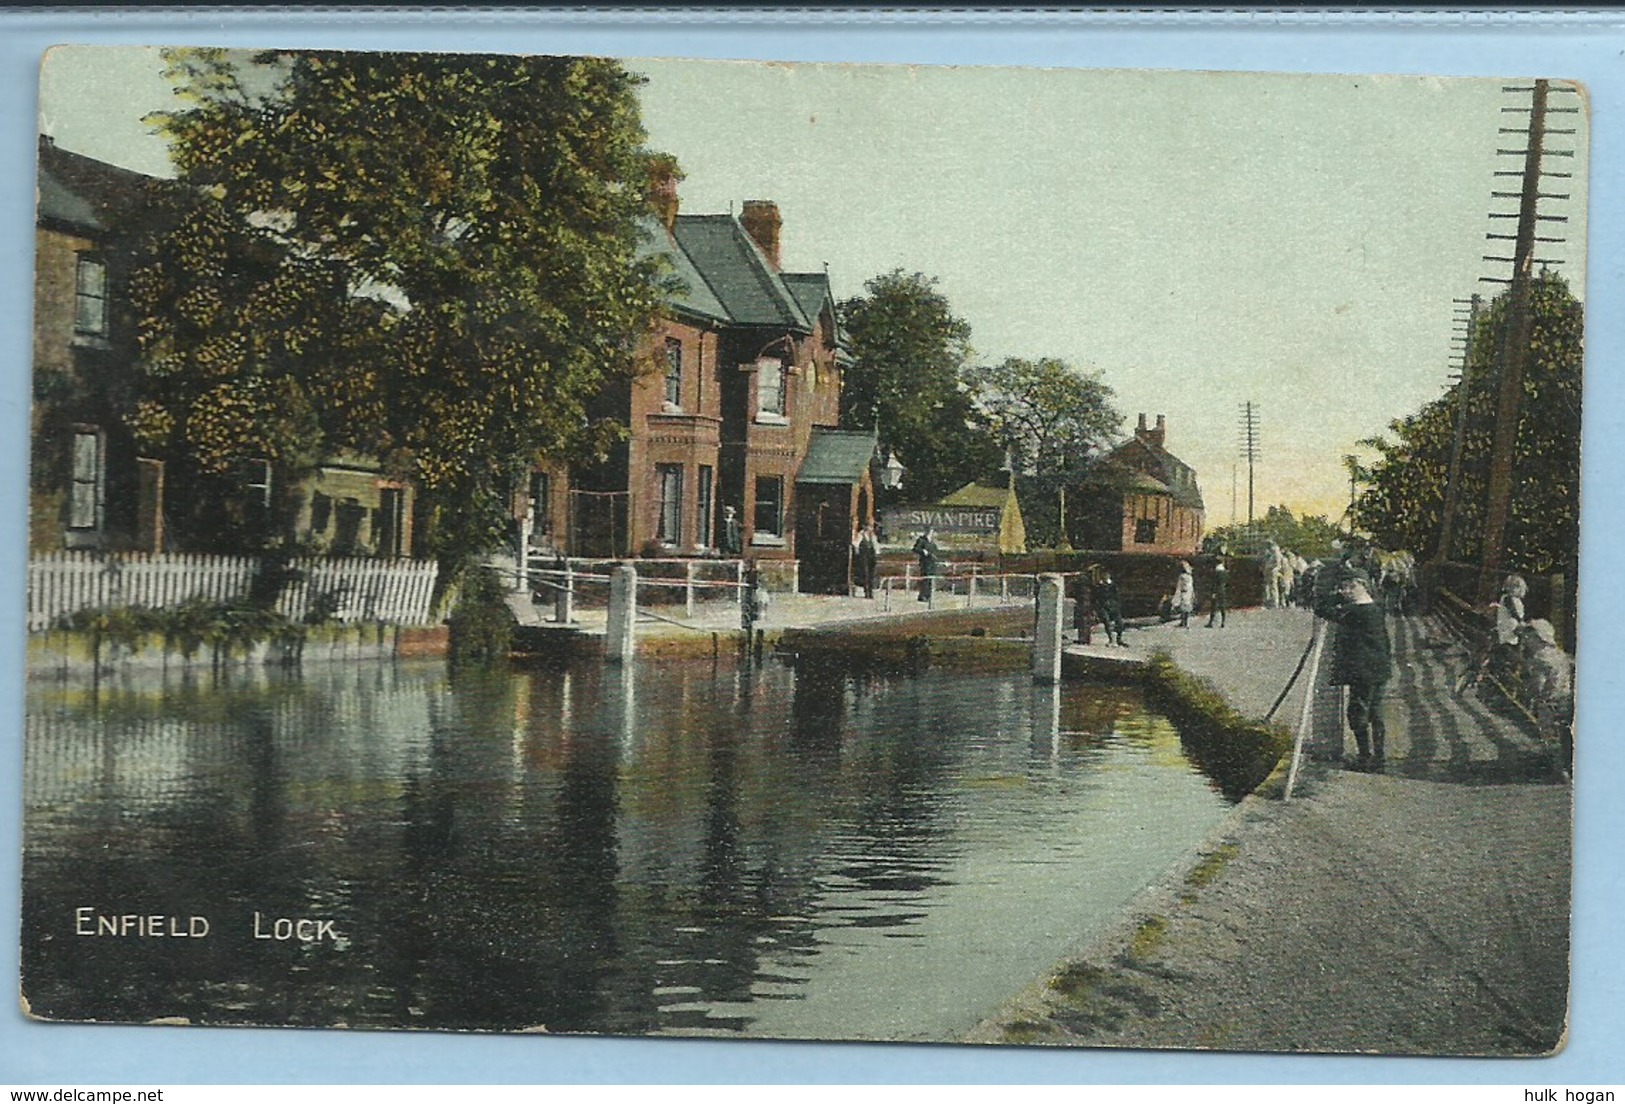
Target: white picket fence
(391, 591)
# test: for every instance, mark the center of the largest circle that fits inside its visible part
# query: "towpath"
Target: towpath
(1422, 911)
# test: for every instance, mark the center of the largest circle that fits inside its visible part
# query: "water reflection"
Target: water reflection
(666, 848)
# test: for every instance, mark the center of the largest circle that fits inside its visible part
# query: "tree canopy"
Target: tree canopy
(911, 353)
(1402, 501)
(431, 258)
(1051, 419)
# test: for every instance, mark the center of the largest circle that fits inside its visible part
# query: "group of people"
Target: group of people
(1525, 650)
(866, 561)
(1181, 603)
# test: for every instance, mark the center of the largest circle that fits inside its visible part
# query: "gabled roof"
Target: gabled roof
(1137, 460)
(813, 294)
(62, 205)
(810, 290)
(693, 295)
(109, 192)
(737, 274)
(837, 456)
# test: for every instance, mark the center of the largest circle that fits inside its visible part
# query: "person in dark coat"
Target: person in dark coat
(1219, 598)
(732, 539)
(865, 560)
(927, 551)
(1108, 603)
(1363, 661)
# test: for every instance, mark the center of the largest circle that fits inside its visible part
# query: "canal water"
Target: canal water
(677, 848)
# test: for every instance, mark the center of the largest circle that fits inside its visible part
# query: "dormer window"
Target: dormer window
(90, 301)
(674, 374)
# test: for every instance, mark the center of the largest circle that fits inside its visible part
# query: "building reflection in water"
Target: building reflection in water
(673, 847)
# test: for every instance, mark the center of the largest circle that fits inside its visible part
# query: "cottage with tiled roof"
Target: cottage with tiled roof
(1139, 497)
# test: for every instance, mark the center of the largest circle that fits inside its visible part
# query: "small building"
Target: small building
(349, 507)
(834, 499)
(980, 517)
(1139, 497)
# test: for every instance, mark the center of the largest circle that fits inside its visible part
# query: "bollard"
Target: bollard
(623, 612)
(688, 589)
(564, 597)
(1047, 638)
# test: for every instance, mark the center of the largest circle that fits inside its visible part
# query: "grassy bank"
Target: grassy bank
(1236, 752)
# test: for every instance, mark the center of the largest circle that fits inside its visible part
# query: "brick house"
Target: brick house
(1139, 497)
(90, 488)
(740, 417)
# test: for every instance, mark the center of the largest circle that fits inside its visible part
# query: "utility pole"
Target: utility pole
(1249, 451)
(1515, 357)
(1467, 311)
(1352, 463)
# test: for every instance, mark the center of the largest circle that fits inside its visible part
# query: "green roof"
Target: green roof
(737, 274)
(837, 456)
(693, 295)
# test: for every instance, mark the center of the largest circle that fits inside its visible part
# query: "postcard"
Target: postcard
(657, 547)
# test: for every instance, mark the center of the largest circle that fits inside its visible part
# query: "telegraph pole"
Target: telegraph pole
(1467, 311)
(1515, 357)
(1249, 451)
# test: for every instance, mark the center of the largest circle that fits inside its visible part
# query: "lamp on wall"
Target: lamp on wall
(891, 472)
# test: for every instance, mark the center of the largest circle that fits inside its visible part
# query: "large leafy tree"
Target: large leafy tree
(1051, 419)
(911, 352)
(429, 257)
(1403, 497)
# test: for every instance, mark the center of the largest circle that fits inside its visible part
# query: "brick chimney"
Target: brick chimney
(760, 218)
(664, 176)
(1153, 437)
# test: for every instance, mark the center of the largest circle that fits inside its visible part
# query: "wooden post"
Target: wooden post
(1515, 356)
(1047, 639)
(623, 612)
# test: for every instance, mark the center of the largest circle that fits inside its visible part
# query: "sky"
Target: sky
(1201, 240)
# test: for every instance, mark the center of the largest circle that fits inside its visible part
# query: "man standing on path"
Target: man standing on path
(1363, 662)
(865, 558)
(926, 549)
(1219, 600)
(1108, 603)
